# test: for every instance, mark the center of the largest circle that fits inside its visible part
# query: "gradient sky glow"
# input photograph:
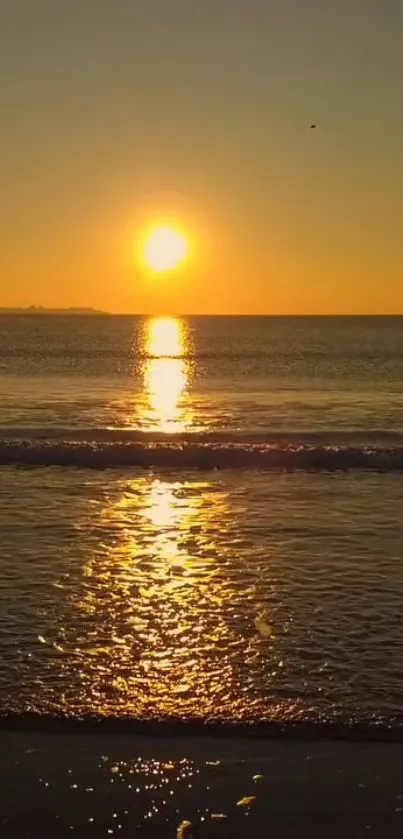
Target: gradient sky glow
(118, 112)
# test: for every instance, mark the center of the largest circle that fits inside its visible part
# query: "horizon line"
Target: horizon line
(82, 311)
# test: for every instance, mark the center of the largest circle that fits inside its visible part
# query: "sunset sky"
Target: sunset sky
(120, 114)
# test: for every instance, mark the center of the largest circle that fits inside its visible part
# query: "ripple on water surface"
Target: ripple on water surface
(139, 594)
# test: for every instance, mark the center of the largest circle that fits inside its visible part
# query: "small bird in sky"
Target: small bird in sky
(313, 125)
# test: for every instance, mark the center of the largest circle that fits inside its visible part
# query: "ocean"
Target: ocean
(202, 518)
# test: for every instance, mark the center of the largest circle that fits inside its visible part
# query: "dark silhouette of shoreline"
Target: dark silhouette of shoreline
(42, 310)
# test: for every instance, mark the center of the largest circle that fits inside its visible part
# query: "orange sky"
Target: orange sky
(201, 112)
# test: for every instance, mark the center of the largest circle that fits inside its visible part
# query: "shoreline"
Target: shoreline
(274, 730)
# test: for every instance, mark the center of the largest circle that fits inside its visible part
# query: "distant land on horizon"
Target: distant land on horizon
(43, 310)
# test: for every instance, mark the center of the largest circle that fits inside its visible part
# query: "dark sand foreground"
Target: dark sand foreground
(102, 785)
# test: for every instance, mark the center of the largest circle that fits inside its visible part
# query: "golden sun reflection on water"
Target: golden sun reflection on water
(165, 405)
(165, 337)
(158, 602)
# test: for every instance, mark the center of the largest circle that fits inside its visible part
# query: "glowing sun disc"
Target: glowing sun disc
(164, 249)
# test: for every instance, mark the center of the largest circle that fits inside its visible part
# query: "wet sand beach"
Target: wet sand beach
(101, 785)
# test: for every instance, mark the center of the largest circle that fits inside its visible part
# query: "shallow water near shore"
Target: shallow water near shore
(144, 595)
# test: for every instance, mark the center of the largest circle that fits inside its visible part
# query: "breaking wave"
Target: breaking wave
(100, 448)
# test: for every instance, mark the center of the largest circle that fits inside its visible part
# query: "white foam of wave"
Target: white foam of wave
(200, 454)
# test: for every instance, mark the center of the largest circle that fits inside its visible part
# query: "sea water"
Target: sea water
(202, 518)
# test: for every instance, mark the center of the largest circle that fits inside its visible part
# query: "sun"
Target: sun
(164, 249)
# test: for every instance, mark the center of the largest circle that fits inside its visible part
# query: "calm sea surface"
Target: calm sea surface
(202, 517)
